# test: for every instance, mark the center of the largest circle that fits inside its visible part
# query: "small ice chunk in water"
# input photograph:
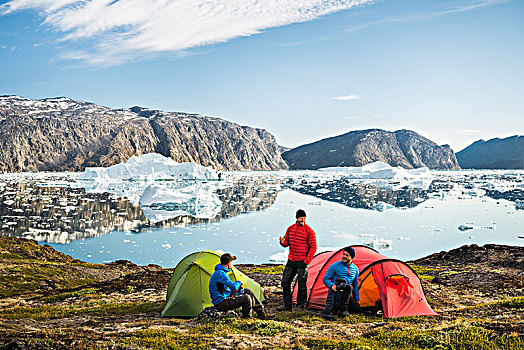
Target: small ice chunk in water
(278, 257)
(366, 234)
(381, 206)
(466, 227)
(379, 243)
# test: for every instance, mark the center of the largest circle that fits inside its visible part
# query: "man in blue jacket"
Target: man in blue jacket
(341, 278)
(228, 295)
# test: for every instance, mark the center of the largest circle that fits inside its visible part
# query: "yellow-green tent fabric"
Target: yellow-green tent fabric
(188, 290)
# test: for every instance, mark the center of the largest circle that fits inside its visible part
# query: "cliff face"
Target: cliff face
(403, 148)
(60, 134)
(496, 153)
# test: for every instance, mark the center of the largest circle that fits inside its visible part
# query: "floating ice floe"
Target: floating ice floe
(160, 203)
(519, 205)
(419, 178)
(150, 166)
(140, 181)
(379, 243)
(366, 234)
(467, 227)
(381, 206)
(278, 257)
(282, 256)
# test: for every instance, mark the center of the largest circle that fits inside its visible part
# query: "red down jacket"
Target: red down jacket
(301, 241)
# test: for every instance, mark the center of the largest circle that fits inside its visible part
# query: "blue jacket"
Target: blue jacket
(220, 285)
(340, 270)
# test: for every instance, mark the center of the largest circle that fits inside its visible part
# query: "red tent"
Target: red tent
(391, 280)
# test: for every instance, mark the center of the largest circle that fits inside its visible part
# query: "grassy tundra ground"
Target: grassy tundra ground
(49, 300)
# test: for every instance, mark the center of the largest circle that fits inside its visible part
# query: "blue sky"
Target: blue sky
(304, 70)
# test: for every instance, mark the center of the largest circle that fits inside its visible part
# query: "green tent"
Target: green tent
(188, 290)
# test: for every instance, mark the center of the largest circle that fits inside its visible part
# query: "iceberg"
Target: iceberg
(381, 206)
(379, 243)
(278, 257)
(163, 188)
(420, 177)
(160, 203)
(150, 166)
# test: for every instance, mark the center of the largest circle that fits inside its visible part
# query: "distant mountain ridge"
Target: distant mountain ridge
(404, 148)
(61, 134)
(507, 153)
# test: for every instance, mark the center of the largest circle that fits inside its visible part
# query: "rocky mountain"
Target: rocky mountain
(496, 153)
(283, 149)
(60, 134)
(403, 148)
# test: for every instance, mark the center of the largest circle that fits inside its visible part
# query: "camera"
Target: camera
(340, 283)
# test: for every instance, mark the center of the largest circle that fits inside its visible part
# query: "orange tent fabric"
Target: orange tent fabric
(390, 280)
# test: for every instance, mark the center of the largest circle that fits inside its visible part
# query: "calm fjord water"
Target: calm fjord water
(401, 222)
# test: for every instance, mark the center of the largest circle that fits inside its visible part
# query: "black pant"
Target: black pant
(247, 301)
(293, 268)
(341, 301)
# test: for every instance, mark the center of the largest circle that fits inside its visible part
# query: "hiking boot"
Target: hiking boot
(343, 314)
(265, 316)
(285, 308)
(378, 306)
(328, 317)
(248, 315)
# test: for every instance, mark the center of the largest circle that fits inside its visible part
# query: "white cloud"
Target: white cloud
(347, 98)
(118, 31)
(418, 17)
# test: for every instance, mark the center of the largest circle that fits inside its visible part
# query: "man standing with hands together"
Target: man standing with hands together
(302, 243)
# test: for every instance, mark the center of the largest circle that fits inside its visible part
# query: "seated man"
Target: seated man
(342, 280)
(228, 295)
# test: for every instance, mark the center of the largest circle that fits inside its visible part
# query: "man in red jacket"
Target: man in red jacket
(302, 243)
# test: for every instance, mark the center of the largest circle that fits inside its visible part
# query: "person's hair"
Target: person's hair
(226, 258)
(300, 213)
(351, 251)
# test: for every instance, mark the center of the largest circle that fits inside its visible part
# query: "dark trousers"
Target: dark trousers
(292, 269)
(341, 301)
(246, 301)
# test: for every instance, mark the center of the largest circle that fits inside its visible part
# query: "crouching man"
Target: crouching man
(341, 278)
(228, 295)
